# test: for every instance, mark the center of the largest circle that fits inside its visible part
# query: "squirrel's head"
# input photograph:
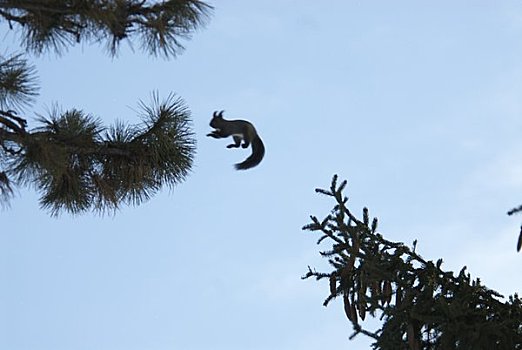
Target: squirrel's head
(216, 117)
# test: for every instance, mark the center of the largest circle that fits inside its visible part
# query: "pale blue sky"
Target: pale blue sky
(417, 104)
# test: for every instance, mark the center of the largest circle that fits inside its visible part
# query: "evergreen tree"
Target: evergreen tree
(71, 159)
(421, 305)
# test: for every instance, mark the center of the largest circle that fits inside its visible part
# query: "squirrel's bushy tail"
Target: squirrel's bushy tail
(258, 152)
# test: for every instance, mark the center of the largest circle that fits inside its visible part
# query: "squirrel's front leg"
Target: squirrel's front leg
(216, 134)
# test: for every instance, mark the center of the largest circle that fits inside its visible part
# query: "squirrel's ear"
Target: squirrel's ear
(214, 114)
(221, 114)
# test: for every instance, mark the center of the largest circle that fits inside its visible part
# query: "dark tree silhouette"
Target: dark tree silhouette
(516, 211)
(56, 24)
(421, 306)
(72, 160)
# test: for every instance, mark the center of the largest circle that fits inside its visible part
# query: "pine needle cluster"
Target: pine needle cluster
(76, 164)
(421, 306)
(57, 24)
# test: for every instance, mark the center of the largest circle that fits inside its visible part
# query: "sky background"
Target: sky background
(417, 104)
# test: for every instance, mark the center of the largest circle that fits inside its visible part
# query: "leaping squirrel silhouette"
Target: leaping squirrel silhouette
(240, 130)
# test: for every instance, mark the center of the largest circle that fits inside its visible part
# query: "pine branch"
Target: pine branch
(6, 191)
(55, 24)
(18, 85)
(76, 168)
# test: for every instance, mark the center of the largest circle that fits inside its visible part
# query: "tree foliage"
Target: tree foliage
(71, 159)
(76, 164)
(421, 306)
(56, 24)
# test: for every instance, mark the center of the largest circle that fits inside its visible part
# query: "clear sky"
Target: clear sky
(417, 104)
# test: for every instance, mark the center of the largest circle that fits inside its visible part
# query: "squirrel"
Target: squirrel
(240, 130)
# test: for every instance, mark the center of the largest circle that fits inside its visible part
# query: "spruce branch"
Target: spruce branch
(421, 306)
(513, 211)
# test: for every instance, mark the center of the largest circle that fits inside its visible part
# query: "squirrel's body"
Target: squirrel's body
(240, 130)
